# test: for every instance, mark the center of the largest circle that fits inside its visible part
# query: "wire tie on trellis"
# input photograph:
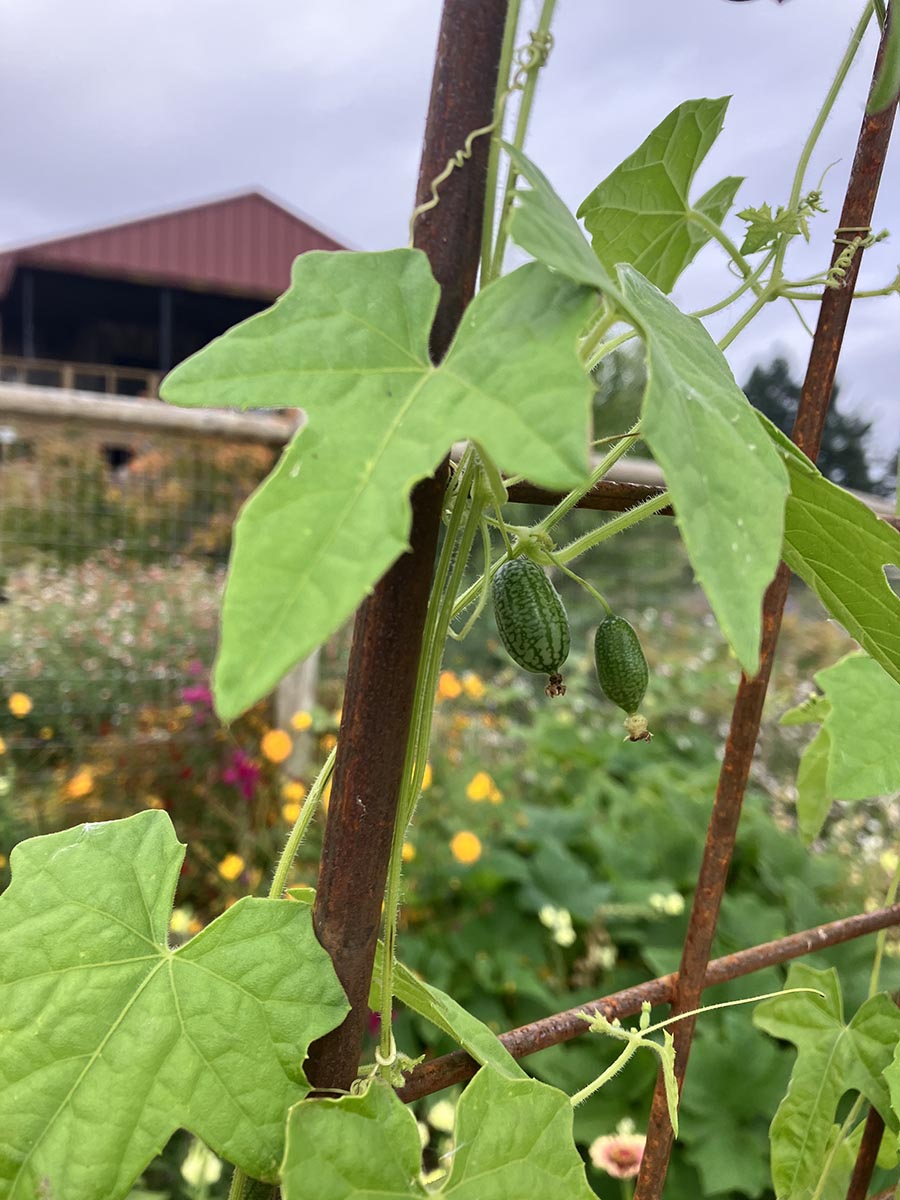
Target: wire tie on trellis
(529, 59)
(864, 237)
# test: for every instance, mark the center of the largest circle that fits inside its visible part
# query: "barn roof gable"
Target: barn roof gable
(242, 244)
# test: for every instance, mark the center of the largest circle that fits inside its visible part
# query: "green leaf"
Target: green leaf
(349, 343)
(728, 486)
(640, 213)
(111, 1041)
(839, 548)
(810, 711)
(444, 1012)
(887, 85)
(764, 229)
(727, 483)
(542, 224)
(513, 1138)
(813, 796)
(832, 1058)
(861, 724)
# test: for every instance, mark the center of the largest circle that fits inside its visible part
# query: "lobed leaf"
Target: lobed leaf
(832, 1058)
(640, 214)
(112, 1041)
(349, 343)
(513, 1138)
(446, 1014)
(839, 548)
(728, 486)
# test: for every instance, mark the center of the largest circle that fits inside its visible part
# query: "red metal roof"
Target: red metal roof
(243, 244)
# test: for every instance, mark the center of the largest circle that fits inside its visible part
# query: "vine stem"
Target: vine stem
(610, 528)
(504, 86)
(522, 119)
(719, 235)
(310, 804)
(882, 936)
(818, 125)
(458, 538)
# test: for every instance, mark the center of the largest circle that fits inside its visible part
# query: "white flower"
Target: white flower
(200, 1165)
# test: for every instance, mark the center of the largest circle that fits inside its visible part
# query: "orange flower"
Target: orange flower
(465, 847)
(154, 802)
(2, 746)
(231, 866)
(408, 853)
(449, 686)
(301, 721)
(427, 777)
(294, 791)
(328, 742)
(473, 685)
(276, 745)
(482, 787)
(19, 704)
(80, 785)
(290, 811)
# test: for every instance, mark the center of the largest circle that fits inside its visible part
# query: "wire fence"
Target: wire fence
(115, 524)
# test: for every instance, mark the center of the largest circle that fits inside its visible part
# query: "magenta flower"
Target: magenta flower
(242, 773)
(619, 1154)
(196, 695)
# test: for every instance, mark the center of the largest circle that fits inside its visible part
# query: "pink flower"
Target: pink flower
(242, 773)
(619, 1154)
(196, 695)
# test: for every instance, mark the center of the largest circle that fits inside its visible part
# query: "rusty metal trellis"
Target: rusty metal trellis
(859, 204)
(387, 640)
(528, 1039)
(387, 634)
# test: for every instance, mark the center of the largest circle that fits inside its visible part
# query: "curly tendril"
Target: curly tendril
(529, 59)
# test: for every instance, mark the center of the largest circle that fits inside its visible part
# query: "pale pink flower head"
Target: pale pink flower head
(619, 1154)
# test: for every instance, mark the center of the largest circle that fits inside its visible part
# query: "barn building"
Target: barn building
(113, 309)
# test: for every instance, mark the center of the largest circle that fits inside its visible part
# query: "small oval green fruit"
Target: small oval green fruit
(621, 666)
(531, 620)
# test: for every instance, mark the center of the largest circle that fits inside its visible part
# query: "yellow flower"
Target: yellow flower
(473, 685)
(290, 811)
(276, 745)
(409, 852)
(301, 721)
(154, 802)
(19, 704)
(81, 784)
(495, 795)
(231, 866)
(46, 733)
(326, 795)
(329, 741)
(3, 861)
(427, 777)
(2, 746)
(294, 791)
(481, 787)
(449, 686)
(465, 847)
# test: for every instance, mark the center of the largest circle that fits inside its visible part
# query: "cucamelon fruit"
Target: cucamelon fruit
(531, 620)
(621, 666)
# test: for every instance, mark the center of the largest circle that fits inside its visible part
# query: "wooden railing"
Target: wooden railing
(80, 377)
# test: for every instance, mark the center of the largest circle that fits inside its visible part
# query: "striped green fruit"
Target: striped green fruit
(531, 620)
(621, 666)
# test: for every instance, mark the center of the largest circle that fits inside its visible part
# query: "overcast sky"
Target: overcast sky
(112, 111)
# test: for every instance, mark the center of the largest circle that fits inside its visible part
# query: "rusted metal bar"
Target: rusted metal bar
(607, 496)
(859, 204)
(564, 1026)
(866, 1156)
(387, 635)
